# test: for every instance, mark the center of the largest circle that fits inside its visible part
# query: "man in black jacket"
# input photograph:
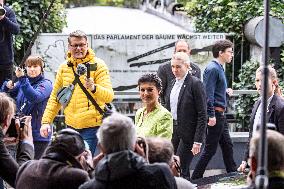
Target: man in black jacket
(187, 103)
(275, 108)
(61, 166)
(166, 74)
(121, 167)
(8, 27)
(25, 152)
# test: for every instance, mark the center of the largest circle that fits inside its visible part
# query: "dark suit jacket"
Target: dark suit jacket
(191, 110)
(166, 75)
(55, 170)
(274, 115)
(8, 165)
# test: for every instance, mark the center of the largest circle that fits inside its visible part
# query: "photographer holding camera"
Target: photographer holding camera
(120, 166)
(63, 164)
(25, 152)
(8, 27)
(32, 92)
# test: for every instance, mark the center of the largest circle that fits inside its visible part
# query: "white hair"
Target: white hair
(181, 56)
(117, 133)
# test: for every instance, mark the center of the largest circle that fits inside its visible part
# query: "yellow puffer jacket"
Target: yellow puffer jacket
(80, 112)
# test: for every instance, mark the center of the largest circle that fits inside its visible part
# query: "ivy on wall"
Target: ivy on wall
(29, 14)
(229, 15)
(244, 103)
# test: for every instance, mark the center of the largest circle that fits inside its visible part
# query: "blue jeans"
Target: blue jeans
(90, 136)
(40, 147)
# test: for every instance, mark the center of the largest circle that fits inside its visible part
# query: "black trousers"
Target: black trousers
(183, 150)
(216, 134)
(6, 72)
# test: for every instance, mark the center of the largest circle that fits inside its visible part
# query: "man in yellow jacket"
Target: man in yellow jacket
(80, 113)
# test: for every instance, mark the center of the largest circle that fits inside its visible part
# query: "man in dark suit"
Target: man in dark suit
(217, 131)
(275, 110)
(187, 103)
(166, 74)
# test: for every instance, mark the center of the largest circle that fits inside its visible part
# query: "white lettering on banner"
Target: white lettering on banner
(127, 56)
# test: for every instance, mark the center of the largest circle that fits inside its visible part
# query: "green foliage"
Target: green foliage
(29, 14)
(83, 3)
(280, 70)
(244, 103)
(229, 15)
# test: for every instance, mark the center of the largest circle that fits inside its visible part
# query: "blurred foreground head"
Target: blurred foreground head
(275, 151)
(69, 141)
(7, 110)
(117, 133)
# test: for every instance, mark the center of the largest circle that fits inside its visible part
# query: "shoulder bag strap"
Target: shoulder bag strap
(89, 96)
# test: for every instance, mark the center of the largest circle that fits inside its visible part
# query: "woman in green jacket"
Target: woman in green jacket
(152, 119)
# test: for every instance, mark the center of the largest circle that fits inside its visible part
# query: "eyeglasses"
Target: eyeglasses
(75, 46)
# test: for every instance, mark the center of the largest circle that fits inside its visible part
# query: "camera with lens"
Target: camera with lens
(21, 69)
(2, 10)
(81, 69)
(142, 143)
(86, 68)
(12, 130)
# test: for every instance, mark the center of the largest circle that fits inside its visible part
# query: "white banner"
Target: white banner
(127, 56)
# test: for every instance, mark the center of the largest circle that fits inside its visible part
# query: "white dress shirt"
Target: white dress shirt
(175, 94)
(257, 117)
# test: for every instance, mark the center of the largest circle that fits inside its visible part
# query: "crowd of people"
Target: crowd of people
(182, 116)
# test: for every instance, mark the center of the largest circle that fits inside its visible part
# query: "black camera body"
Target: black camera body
(142, 143)
(2, 10)
(12, 130)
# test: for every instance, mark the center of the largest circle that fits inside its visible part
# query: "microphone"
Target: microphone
(81, 69)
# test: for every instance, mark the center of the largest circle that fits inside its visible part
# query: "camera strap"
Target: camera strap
(89, 96)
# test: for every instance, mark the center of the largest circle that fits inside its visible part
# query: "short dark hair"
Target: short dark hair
(161, 150)
(221, 45)
(78, 34)
(151, 78)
